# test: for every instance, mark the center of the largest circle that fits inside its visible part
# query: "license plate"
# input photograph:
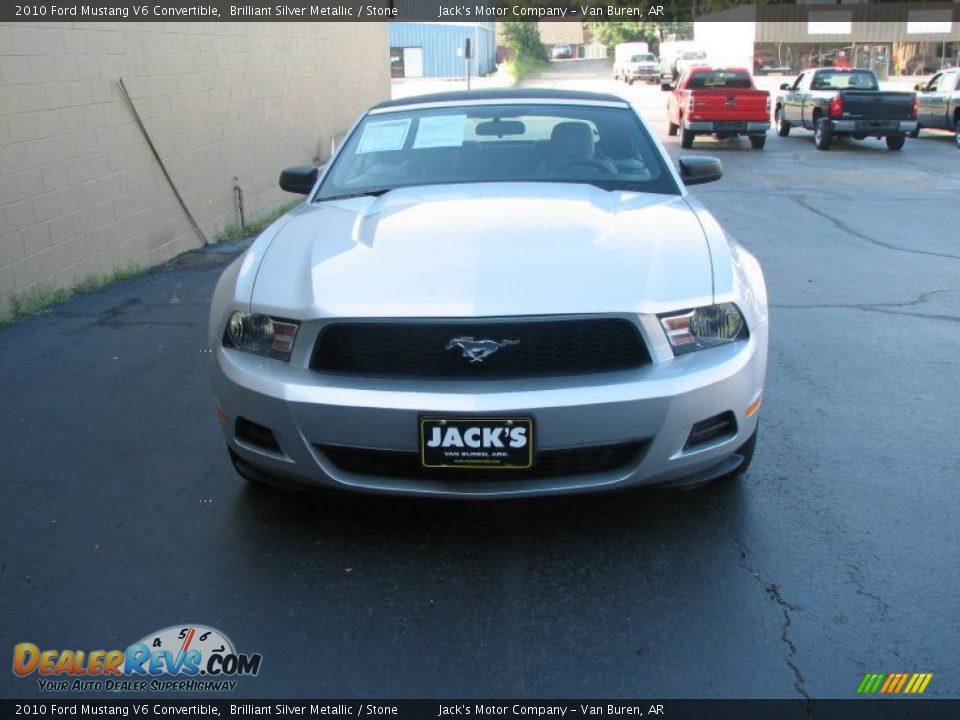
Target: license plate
(497, 443)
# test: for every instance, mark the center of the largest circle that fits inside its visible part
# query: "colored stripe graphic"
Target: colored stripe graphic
(894, 683)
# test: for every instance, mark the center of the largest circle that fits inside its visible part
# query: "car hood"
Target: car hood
(486, 250)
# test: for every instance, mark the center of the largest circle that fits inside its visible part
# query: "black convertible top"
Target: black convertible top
(502, 94)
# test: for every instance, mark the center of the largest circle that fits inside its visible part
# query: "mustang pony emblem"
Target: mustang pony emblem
(478, 350)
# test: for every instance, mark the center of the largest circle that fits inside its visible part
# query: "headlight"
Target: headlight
(261, 334)
(703, 327)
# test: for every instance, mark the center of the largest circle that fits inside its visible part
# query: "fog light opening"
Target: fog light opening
(256, 435)
(712, 429)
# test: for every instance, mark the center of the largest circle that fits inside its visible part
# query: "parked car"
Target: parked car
(562, 51)
(643, 66)
(938, 103)
(492, 294)
(623, 55)
(723, 102)
(766, 63)
(835, 102)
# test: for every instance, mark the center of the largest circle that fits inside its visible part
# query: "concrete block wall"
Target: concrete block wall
(80, 192)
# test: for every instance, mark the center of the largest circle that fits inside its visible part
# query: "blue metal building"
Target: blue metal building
(435, 49)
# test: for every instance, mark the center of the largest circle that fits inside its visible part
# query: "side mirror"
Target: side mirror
(919, 87)
(697, 169)
(666, 87)
(784, 86)
(299, 180)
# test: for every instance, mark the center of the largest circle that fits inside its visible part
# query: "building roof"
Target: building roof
(501, 94)
(552, 33)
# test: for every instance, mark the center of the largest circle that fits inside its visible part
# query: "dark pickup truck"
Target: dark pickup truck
(939, 101)
(835, 102)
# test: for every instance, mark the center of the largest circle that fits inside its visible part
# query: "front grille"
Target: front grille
(418, 349)
(547, 464)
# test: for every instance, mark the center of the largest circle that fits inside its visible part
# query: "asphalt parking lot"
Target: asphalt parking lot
(835, 556)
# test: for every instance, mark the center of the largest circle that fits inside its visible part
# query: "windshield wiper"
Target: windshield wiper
(363, 193)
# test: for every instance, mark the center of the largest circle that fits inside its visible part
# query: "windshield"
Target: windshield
(844, 80)
(647, 57)
(602, 146)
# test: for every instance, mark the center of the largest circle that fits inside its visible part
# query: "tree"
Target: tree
(524, 38)
(614, 33)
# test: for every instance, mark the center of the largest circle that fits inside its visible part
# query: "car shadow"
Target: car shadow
(297, 523)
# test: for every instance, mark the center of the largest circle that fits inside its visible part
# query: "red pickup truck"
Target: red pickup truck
(723, 102)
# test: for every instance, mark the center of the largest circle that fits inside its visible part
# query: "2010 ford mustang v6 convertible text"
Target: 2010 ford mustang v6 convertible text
(493, 294)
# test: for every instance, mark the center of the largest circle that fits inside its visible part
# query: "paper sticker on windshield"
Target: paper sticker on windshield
(440, 131)
(383, 136)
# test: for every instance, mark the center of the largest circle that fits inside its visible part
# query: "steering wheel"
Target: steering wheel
(602, 165)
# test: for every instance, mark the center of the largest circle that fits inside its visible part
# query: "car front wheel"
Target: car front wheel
(956, 133)
(686, 139)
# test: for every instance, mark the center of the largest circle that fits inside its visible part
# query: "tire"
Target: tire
(671, 128)
(783, 127)
(686, 139)
(821, 134)
(956, 133)
(758, 141)
(914, 133)
(630, 81)
(895, 142)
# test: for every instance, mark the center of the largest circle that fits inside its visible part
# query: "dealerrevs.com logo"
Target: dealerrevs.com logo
(180, 658)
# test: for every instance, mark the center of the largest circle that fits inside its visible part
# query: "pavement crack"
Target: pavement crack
(886, 308)
(773, 591)
(855, 578)
(853, 232)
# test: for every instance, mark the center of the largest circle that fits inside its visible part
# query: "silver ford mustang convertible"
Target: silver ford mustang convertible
(492, 294)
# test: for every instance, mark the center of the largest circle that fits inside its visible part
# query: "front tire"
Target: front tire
(895, 142)
(783, 127)
(671, 128)
(956, 133)
(758, 141)
(686, 139)
(821, 134)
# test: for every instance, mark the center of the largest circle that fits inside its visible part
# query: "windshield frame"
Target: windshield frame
(668, 180)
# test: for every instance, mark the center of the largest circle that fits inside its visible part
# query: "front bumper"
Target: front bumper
(873, 127)
(655, 406)
(643, 74)
(752, 127)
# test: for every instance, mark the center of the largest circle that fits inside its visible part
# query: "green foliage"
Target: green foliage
(612, 34)
(233, 233)
(519, 68)
(524, 38)
(36, 301)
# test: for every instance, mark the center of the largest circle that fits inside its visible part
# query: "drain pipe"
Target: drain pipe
(238, 197)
